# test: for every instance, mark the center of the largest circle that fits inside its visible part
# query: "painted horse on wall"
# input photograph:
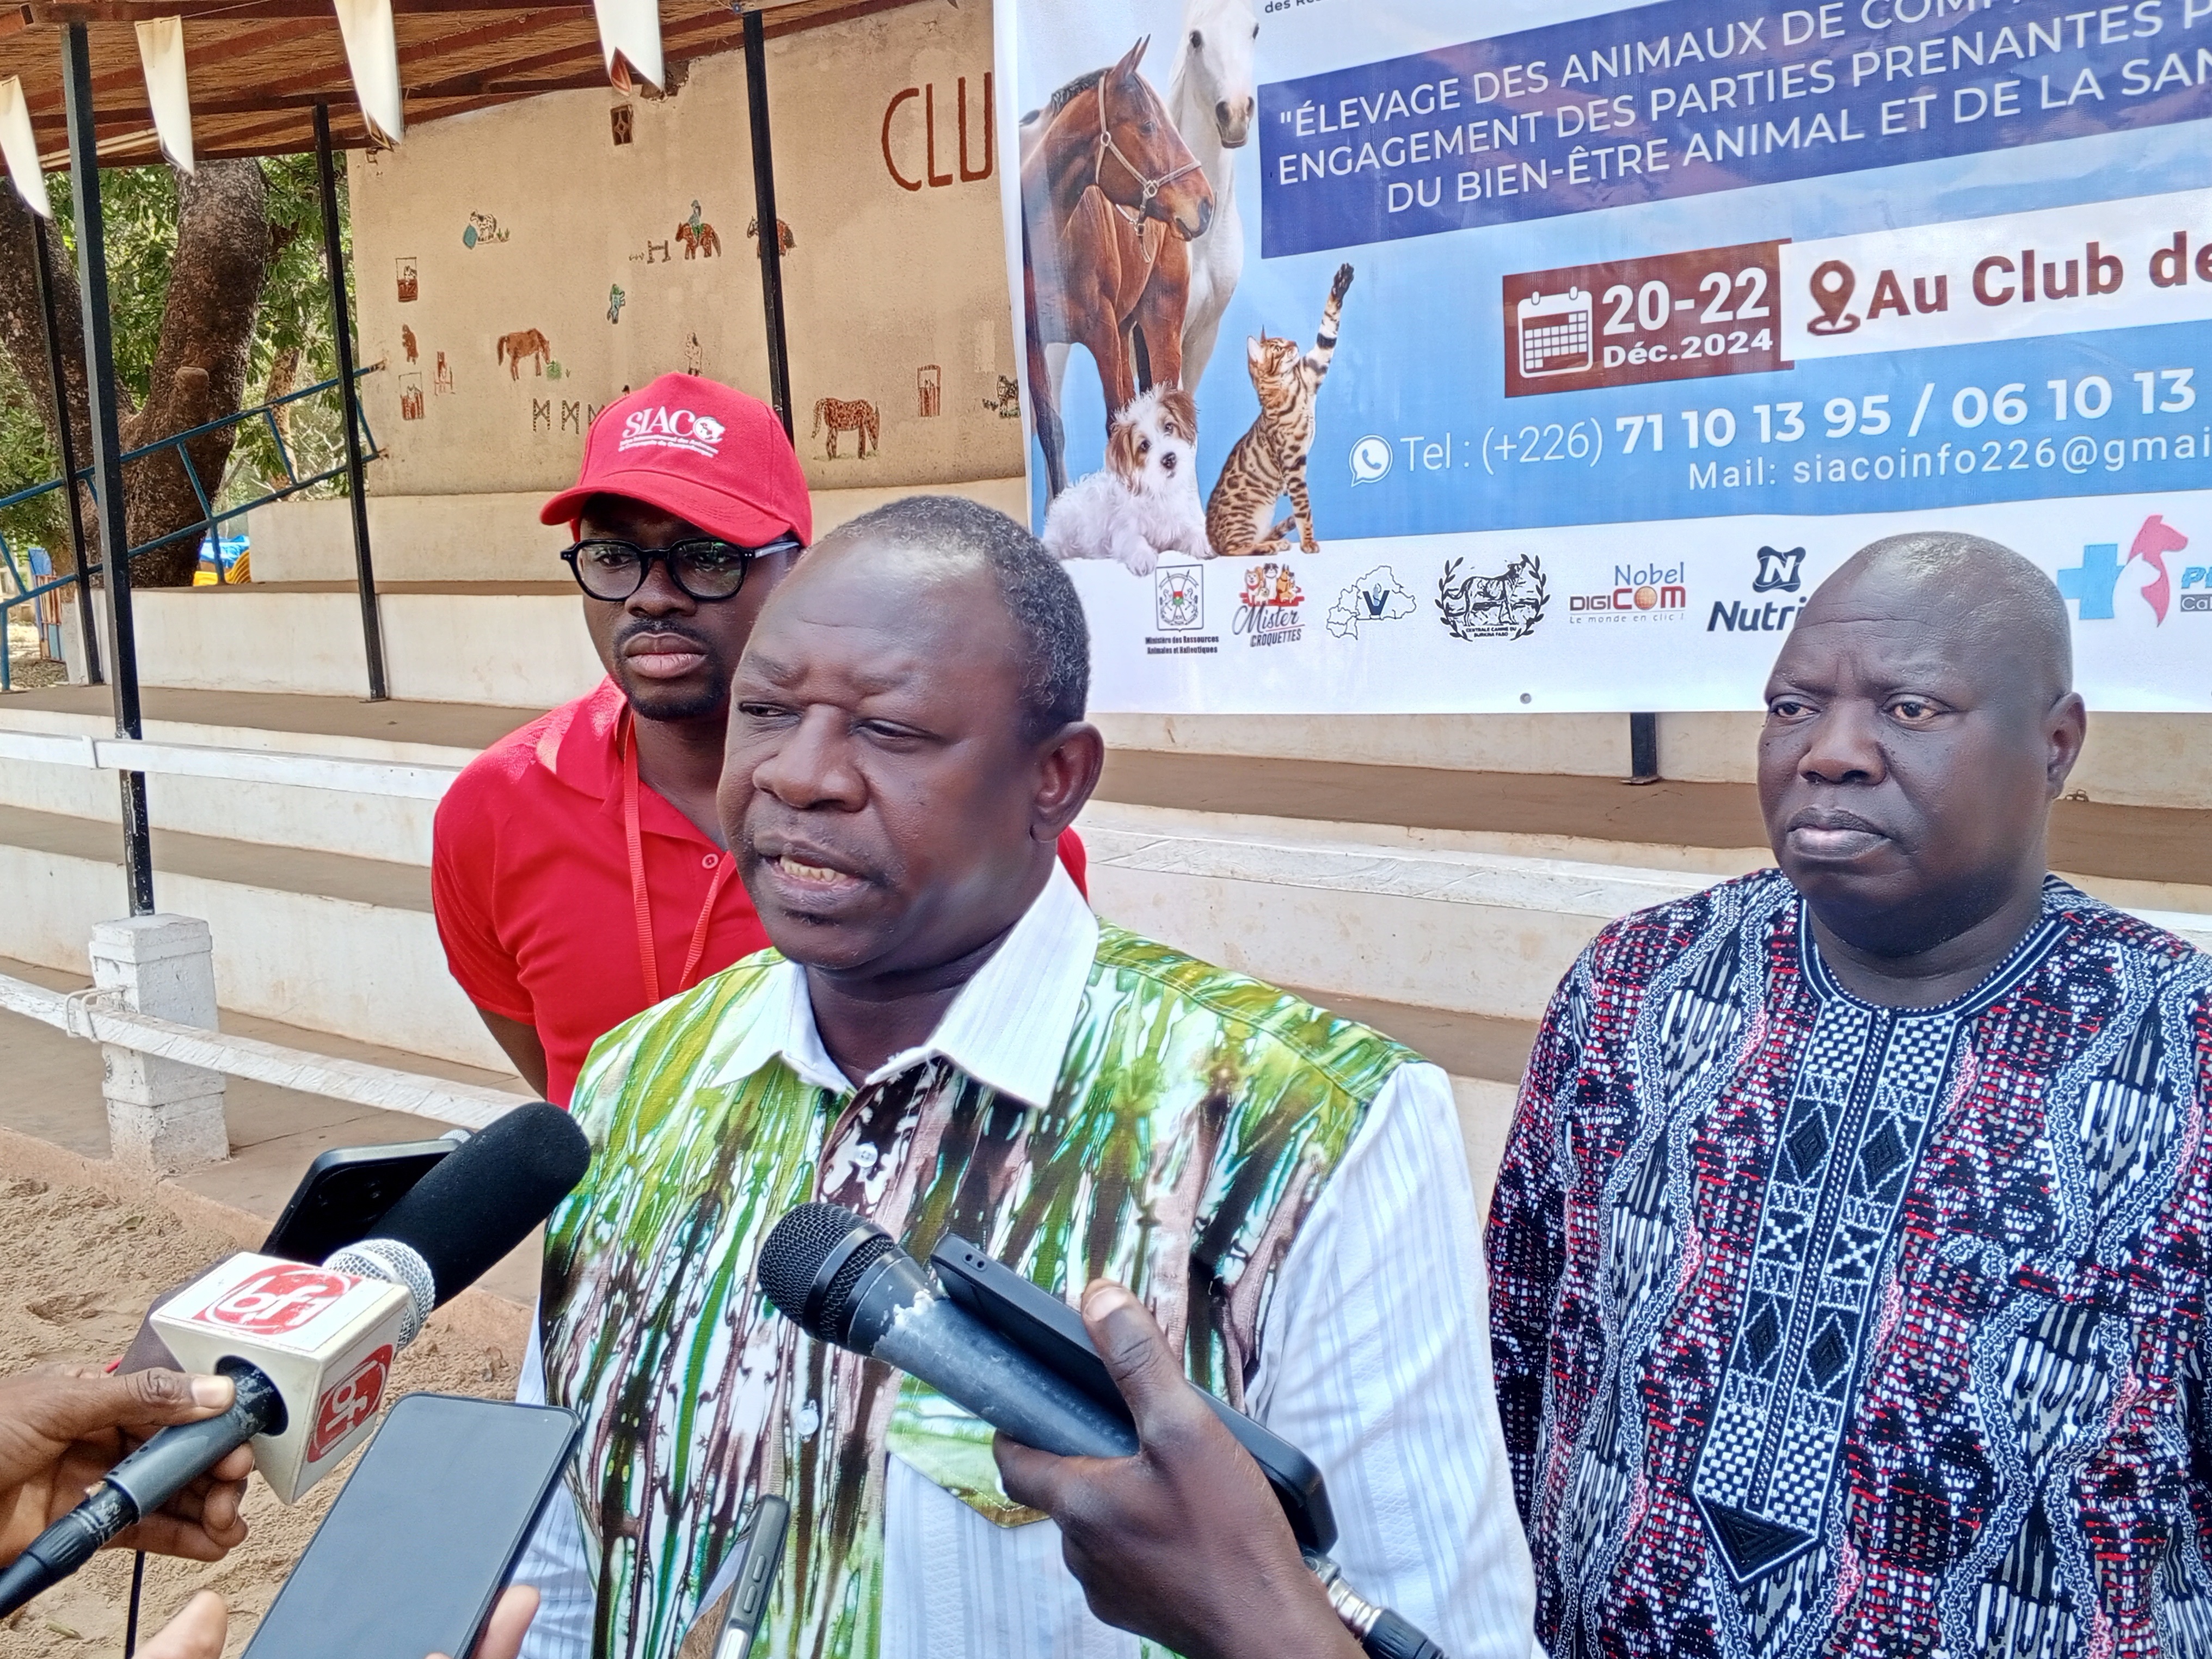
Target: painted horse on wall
(1111, 198)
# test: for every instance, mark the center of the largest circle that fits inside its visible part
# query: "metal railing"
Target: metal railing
(95, 1016)
(211, 519)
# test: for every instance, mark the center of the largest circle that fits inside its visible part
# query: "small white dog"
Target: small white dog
(1145, 502)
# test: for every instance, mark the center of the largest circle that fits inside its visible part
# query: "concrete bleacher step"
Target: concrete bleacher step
(54, 1097)
(325, 941)
(443, 641)
(437, 736)
(1439, 906)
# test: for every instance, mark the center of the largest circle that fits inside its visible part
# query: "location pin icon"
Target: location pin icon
(1832, 282)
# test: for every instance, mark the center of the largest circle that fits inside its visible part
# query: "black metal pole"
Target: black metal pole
(771, 231)
(84, 615)
(106, 450)
(1642, 749)
(364, 569)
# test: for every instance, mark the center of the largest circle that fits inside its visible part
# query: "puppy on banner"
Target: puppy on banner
(1145, 502)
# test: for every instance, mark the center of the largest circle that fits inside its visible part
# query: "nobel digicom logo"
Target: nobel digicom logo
(672, 428)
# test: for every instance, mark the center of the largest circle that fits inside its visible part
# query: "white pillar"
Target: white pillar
(72, 639)
(161, 1114)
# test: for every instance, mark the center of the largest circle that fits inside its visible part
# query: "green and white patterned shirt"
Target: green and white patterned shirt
(1091, 1103)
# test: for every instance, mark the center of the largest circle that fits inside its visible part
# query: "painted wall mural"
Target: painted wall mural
(785, 241)
(698, 236)
(523, 343)
(886, 151)
(857, 416)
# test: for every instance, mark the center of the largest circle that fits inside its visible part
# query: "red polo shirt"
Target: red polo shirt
(530, 879)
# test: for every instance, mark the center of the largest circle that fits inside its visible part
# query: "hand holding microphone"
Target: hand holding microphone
(309, 1350)
(63, 1427)
(1184, 1543)
(1182, 1529)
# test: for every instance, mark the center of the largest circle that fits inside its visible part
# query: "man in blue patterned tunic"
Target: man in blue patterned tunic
(1848, 1261)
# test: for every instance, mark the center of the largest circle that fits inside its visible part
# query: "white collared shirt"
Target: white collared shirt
(1374, 1361)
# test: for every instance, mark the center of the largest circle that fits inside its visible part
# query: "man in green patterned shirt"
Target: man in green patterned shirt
(945, 1039)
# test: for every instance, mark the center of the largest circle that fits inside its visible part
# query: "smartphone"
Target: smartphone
(425, 1535)
(1054, 1335)
(346, 1192)
(731, 1612)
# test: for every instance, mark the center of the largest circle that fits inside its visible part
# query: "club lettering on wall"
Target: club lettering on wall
(930, 173)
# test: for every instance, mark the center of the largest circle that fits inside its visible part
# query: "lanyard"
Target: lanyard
(647, 958)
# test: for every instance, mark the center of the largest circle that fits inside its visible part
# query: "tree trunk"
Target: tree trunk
(199, 366)
(283, 380)
(23, 337)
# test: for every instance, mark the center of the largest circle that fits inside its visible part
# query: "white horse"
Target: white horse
(1213, 98)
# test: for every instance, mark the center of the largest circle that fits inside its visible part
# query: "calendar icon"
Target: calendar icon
(1554, 333)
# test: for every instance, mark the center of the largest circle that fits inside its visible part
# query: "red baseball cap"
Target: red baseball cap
(700, 450)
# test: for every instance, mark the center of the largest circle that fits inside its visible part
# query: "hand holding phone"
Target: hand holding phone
(197, 1632)
(418, 1544)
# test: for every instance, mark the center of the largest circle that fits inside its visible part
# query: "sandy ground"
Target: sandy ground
(28, 667)
(87, 1249)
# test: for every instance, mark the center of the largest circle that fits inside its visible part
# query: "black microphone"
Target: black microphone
(308, 1351)
(844, 1280)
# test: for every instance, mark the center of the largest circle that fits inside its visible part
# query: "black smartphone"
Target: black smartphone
(1053, 1334)
(339, 1200)
(345, 1193)
(425, 1533)
(730, 1613)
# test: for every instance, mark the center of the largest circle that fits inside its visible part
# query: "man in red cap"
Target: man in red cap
(579, 870)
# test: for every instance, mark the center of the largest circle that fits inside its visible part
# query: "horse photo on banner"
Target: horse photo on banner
(1403, 356)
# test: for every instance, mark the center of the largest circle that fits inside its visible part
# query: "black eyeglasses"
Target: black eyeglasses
(703, 568)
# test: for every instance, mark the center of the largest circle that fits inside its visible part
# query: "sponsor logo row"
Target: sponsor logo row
(1469, 602)
(1512, 601)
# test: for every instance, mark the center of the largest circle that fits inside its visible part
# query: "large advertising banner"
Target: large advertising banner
(1371, 367)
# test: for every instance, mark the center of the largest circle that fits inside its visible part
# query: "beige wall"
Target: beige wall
(883, 283)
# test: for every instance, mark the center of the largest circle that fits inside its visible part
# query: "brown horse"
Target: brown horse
(1110, 195)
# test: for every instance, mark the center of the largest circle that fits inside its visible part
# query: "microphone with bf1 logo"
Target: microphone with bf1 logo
(310, 1349)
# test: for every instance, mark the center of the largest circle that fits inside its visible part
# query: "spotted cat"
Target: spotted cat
(1270, 458)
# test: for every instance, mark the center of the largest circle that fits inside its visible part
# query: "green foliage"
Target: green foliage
(27, 458)
(295, 316)
(139, 207)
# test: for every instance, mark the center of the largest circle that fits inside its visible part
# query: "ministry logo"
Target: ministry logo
(1179, 598)
(1778, 571)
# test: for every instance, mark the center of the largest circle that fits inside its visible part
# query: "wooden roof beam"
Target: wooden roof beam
(239, 11)
(209, 61)
(336, 97)
(690, 33)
